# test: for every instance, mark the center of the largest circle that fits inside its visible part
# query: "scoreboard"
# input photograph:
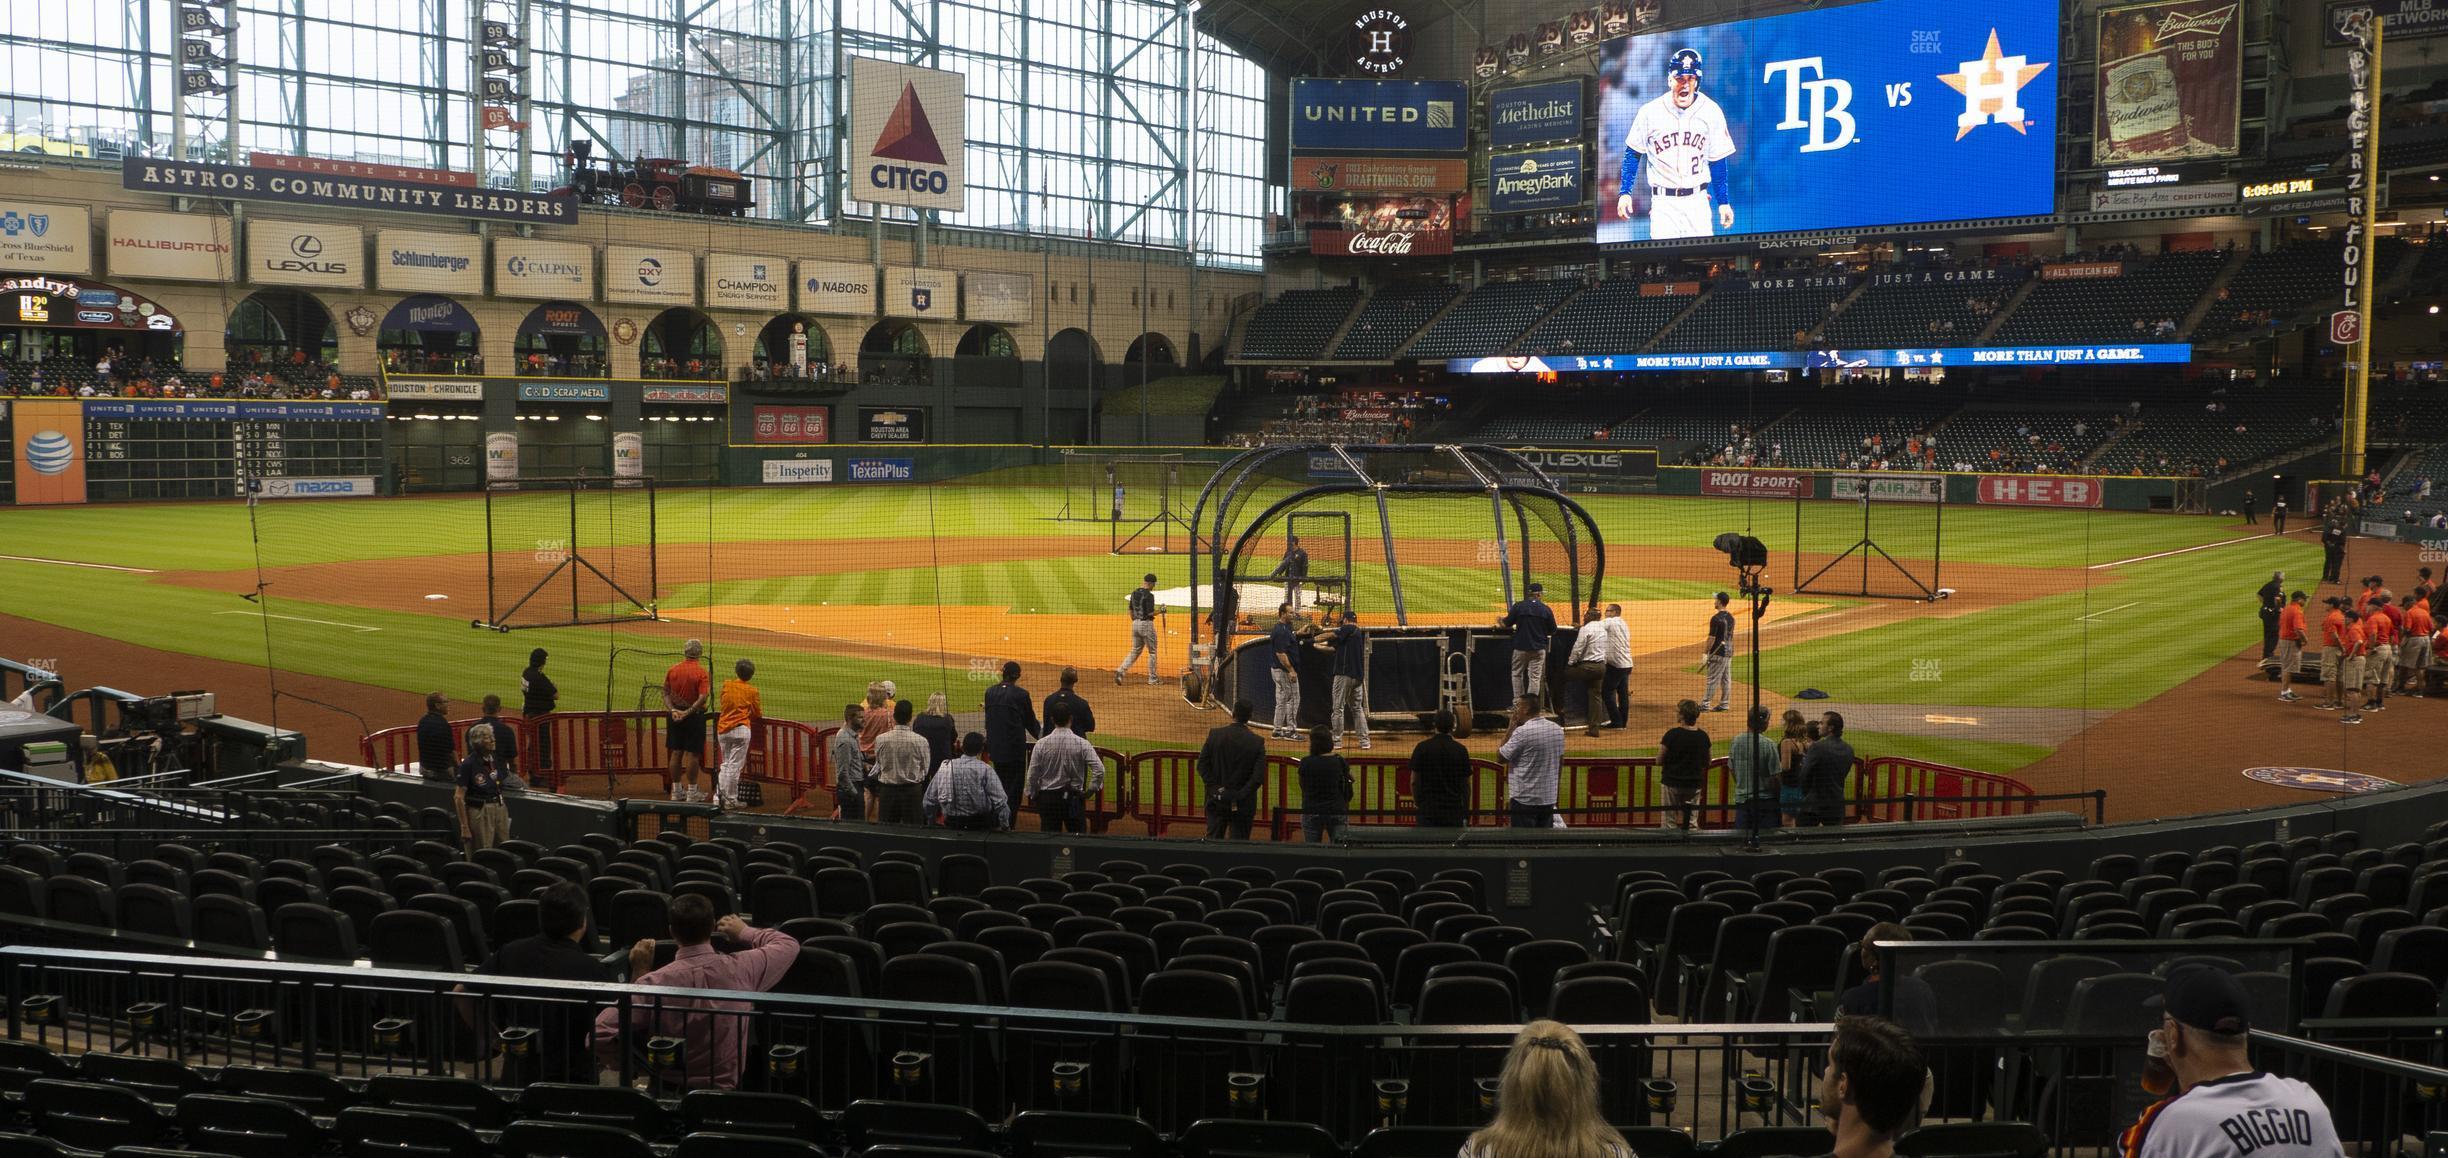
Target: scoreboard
(177, 449)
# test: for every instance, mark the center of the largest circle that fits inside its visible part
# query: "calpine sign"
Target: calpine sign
(1355, 243)
(263, 183)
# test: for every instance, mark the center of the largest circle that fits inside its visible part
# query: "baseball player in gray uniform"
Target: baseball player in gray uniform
(1143, 629)
(1683, 135)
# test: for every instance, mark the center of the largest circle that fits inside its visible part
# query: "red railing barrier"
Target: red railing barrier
(1160, 787)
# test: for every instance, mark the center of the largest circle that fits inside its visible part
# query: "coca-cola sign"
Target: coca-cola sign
(1356, 243)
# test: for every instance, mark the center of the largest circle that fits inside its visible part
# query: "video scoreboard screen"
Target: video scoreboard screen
(1884, 113)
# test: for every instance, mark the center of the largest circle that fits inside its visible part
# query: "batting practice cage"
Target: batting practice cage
(561, 552)
(1895, 523)
(1426, 546)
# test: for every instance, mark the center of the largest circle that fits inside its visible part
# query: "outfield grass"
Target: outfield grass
(2188, 611)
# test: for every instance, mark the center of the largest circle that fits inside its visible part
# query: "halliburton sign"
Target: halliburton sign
(1349, 243)
(1764, 483)
(2029, 491)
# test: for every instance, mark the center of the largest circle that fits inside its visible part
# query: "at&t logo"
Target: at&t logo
(49, 452)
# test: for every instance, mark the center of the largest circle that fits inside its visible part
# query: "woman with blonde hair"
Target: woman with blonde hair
(935, 723)
(1547, 1102)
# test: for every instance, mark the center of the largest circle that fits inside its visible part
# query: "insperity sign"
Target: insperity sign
(381, 194)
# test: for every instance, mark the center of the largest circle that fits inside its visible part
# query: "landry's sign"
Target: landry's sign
(1352, 243)
(342, 191)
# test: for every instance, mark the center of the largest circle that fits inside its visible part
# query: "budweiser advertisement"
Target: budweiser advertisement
(1778, 484)
(2029, 491)
(1355, 243)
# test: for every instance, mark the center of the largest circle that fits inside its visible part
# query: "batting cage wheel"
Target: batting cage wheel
(564, 552)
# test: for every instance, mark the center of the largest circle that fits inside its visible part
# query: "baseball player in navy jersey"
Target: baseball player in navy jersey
(1683, 135)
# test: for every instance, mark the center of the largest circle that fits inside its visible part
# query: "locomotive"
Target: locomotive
(672, 186)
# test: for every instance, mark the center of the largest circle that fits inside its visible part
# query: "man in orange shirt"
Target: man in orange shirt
(2290, 645)
(2333, 653)
(2380, 630)
(2363, 598)
(2414, 658)
(742, 709)
(684, 696)
(2355, 647)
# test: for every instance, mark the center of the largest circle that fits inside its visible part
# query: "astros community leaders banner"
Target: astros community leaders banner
(37, 237)
(906, 133)
(2171, 81)
(1882, 113)
(305, 253)
(1379, 116)
(174, 246)
(334, 191)
(419, 262)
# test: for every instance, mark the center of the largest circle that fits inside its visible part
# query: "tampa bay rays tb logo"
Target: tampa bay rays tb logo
(1831, 127)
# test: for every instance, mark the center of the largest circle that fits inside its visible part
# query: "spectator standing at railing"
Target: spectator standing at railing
(2223, 1105)
(505, 743)
(1083, 717)
(1754, 761)
(1064, 770)
(713, 1034)
(849, 766)
(1534, 754)
(900, 769)
(1232, 767)
(1326, 789)
(537, 698)
(1011, 722)
(942, 735)
(741, 710)
(1824, 769)
(1441, 776)
(433, 731)
(1683, 759)
(685, 686)
(965, 793)
(484, 822)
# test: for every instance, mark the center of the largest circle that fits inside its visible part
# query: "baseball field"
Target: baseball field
(2077, 650)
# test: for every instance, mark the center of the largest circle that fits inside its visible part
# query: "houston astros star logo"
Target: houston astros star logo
(1991, 88)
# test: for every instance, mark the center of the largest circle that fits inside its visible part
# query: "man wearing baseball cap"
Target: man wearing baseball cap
(2223, 1107)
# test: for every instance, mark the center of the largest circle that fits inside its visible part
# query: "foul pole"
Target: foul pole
(2362, 205)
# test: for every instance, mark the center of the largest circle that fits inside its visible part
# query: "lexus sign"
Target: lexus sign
(1354, 243)
(2039, 491)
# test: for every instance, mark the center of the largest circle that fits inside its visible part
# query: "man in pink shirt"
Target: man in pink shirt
(714, 1032)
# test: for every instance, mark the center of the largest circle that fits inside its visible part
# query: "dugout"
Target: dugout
(1328, 526)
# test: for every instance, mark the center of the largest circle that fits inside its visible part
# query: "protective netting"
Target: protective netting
(566, 551)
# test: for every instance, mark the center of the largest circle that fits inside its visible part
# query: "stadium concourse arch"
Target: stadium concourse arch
(1334, 526)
